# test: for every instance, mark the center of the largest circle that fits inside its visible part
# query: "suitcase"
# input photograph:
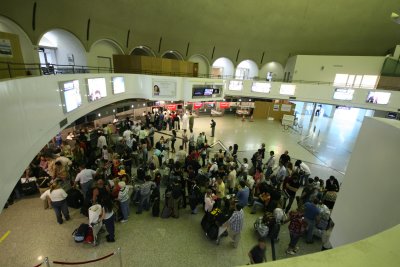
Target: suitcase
(80, 233)
(29, 188)
(74, 198)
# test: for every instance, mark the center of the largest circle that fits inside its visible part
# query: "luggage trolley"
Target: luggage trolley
(95, 223)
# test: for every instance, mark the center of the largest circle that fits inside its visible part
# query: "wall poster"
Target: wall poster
(164, 88)
(5, 48)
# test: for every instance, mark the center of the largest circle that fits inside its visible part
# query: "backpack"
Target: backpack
(80, 233)
(260, 227)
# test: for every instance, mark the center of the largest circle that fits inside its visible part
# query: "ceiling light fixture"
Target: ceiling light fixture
(395, 17)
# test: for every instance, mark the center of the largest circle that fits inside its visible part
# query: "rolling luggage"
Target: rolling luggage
(80, 233)
(74, 198)
(210, 223)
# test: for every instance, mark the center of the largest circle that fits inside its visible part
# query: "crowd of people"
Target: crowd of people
(100, 164)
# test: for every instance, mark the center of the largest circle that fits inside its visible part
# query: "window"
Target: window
(356, 81)
(369, 81)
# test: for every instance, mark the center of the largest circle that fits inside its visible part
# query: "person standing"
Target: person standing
(296, 226)
(192, 143)
(258, 253)
(151, 135)
(213, 124)
(58, 199)
(311, 217)
(123, 198)
(291, 185)
(85, 178)
(101, 141)
(185, 121)
(191, 121)
(303, 170)
(173, 140)
(234, 226)
(270, 164)
(108, 218)
(185, 139)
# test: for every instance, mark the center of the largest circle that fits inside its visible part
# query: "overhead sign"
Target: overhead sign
(197, 105)
(223, 105)
(171, 107)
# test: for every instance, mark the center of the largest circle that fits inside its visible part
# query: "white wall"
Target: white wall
(368, 200)
(324, 68)
(274, 67)
(251, 66)
(204, 65)
(290, 67)
(103, 48)
(226, 63)
(66, 44)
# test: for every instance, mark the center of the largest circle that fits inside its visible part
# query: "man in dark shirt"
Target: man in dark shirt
(291, 185)
(258, 253)
(285, 158)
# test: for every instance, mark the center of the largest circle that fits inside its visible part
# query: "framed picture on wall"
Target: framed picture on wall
(164, 88)
(5, 48)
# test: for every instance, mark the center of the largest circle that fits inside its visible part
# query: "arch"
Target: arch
(101, 54)
(274, 68)
(142, 51)
(109, 41)
(70, 50)
(203, 62)
(223, 67)
(172, 54)
(246, 69)
(27, 48)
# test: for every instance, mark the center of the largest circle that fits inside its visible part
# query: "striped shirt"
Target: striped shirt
(236, 221)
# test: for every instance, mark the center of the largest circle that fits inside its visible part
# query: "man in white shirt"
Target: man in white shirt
(303, 170)
(181, 155)
(101, 141)
(270, 164)
(231, 179)
(85, 178)
(280, 175)
(127, 134)
(213, 168)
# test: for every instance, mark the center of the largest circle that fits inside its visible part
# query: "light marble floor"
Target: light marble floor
(148, 241)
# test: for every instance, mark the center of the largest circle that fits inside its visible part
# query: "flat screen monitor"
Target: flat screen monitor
(381, 98)
(96, 88)
(70, 95)
(287, 89)
(198, 91)
(343, 94)
(235, 85)
(261, 87)
(208, 91)
(215, 91)
(118, 85)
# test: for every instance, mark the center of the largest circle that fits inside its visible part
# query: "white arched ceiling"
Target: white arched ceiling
(68, 46)
(28, 52)
(101, 51)
(171, 54)
(143, 51)
(204, 65)
(250, 66)
(225, 64)
(274, 67)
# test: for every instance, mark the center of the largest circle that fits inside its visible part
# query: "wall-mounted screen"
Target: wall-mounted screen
(261, 87)
(70, 95)
(235, 85)
(206, 90)
(287, 89)
(343, 94)
(118, 85)
(378, 98)
(164, 88)
(96, 88)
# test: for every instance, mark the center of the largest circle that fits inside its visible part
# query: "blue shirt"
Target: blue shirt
(311, 211)
(243, 196)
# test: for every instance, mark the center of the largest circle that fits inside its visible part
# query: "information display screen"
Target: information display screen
(261, 87)
(198, 91)
(381, 98)
(70, 95)
(96, 88)
(235, 85)
(287, 89)
(118, 85)
(208, 91)
(343, 94)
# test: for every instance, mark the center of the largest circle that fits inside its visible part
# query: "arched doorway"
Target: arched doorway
(247, 69)
(62, 48)
(172, 55)
(142, 51)
(222, 67)
(271, 71)
(101, 54)
(203, 63)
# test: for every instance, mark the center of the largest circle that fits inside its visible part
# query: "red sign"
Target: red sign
(171, 107)
(223, 105)
(197, 105)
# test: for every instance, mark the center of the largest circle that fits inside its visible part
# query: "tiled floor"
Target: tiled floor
(148, 241)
